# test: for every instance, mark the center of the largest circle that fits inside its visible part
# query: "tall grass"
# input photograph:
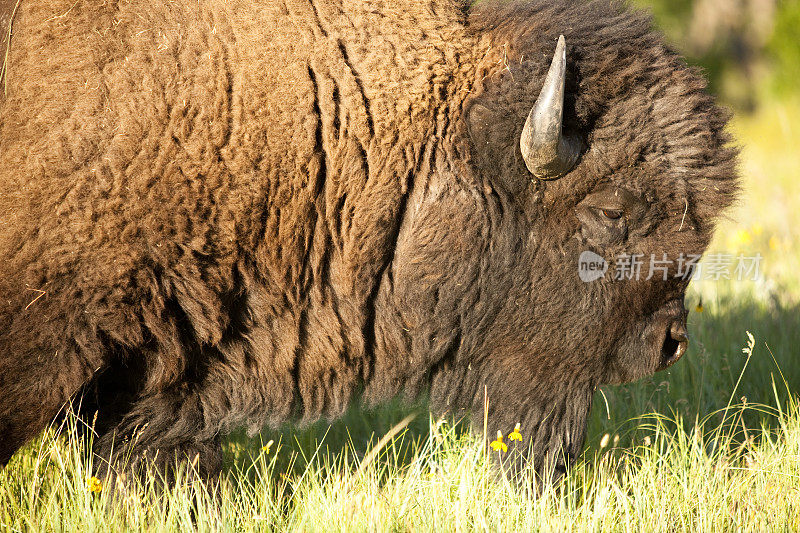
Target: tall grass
(679, 475)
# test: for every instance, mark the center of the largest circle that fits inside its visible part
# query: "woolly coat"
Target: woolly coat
(224, 212)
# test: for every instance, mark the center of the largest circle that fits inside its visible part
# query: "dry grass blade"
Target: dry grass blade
(7, 39)
(392, 433)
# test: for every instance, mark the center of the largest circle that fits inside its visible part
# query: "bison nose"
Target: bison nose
(675, 343)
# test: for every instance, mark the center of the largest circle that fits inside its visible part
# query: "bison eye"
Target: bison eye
(612, 214)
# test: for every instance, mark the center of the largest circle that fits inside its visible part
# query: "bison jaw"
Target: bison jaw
(553, 435)
(557, 434)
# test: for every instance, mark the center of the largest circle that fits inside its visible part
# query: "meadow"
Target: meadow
(711, 444)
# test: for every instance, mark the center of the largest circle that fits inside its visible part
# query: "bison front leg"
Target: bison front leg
(45, 359)
(35, 386)
(161, 435)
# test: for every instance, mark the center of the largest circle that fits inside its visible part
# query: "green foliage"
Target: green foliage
(676, 475)
(784, 47)
(670, 15)
(747, 59)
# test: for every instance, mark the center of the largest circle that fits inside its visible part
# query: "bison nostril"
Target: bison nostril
(674, 346)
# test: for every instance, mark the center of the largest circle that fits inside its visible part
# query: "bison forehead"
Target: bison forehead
(648, 123)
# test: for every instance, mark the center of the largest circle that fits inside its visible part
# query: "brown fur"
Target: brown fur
(222, 213)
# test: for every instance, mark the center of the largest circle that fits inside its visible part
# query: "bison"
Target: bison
(217, 214)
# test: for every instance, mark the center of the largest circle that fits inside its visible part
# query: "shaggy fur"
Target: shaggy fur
(216, 213)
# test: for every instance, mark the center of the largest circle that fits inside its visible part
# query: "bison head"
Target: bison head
(547, 246)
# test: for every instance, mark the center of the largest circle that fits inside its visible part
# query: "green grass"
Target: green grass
(713, 444)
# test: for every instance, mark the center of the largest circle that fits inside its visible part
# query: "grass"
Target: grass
(681, 476)
(712, 444)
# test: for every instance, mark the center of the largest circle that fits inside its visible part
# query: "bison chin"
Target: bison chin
(652, 344)
(552, 414)
(553, 431)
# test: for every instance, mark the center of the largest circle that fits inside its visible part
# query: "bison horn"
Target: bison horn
(547, 153)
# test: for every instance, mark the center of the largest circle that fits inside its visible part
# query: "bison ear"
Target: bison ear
(547, 152)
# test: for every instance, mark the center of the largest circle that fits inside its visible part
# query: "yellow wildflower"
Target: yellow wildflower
(93, 484)
(498, 444)
(267, 446)
(699, 307)
(741, 237)
(515, 435)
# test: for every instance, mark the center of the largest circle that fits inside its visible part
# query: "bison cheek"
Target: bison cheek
(633, 358)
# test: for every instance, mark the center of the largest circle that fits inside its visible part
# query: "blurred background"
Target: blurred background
(749, 49)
